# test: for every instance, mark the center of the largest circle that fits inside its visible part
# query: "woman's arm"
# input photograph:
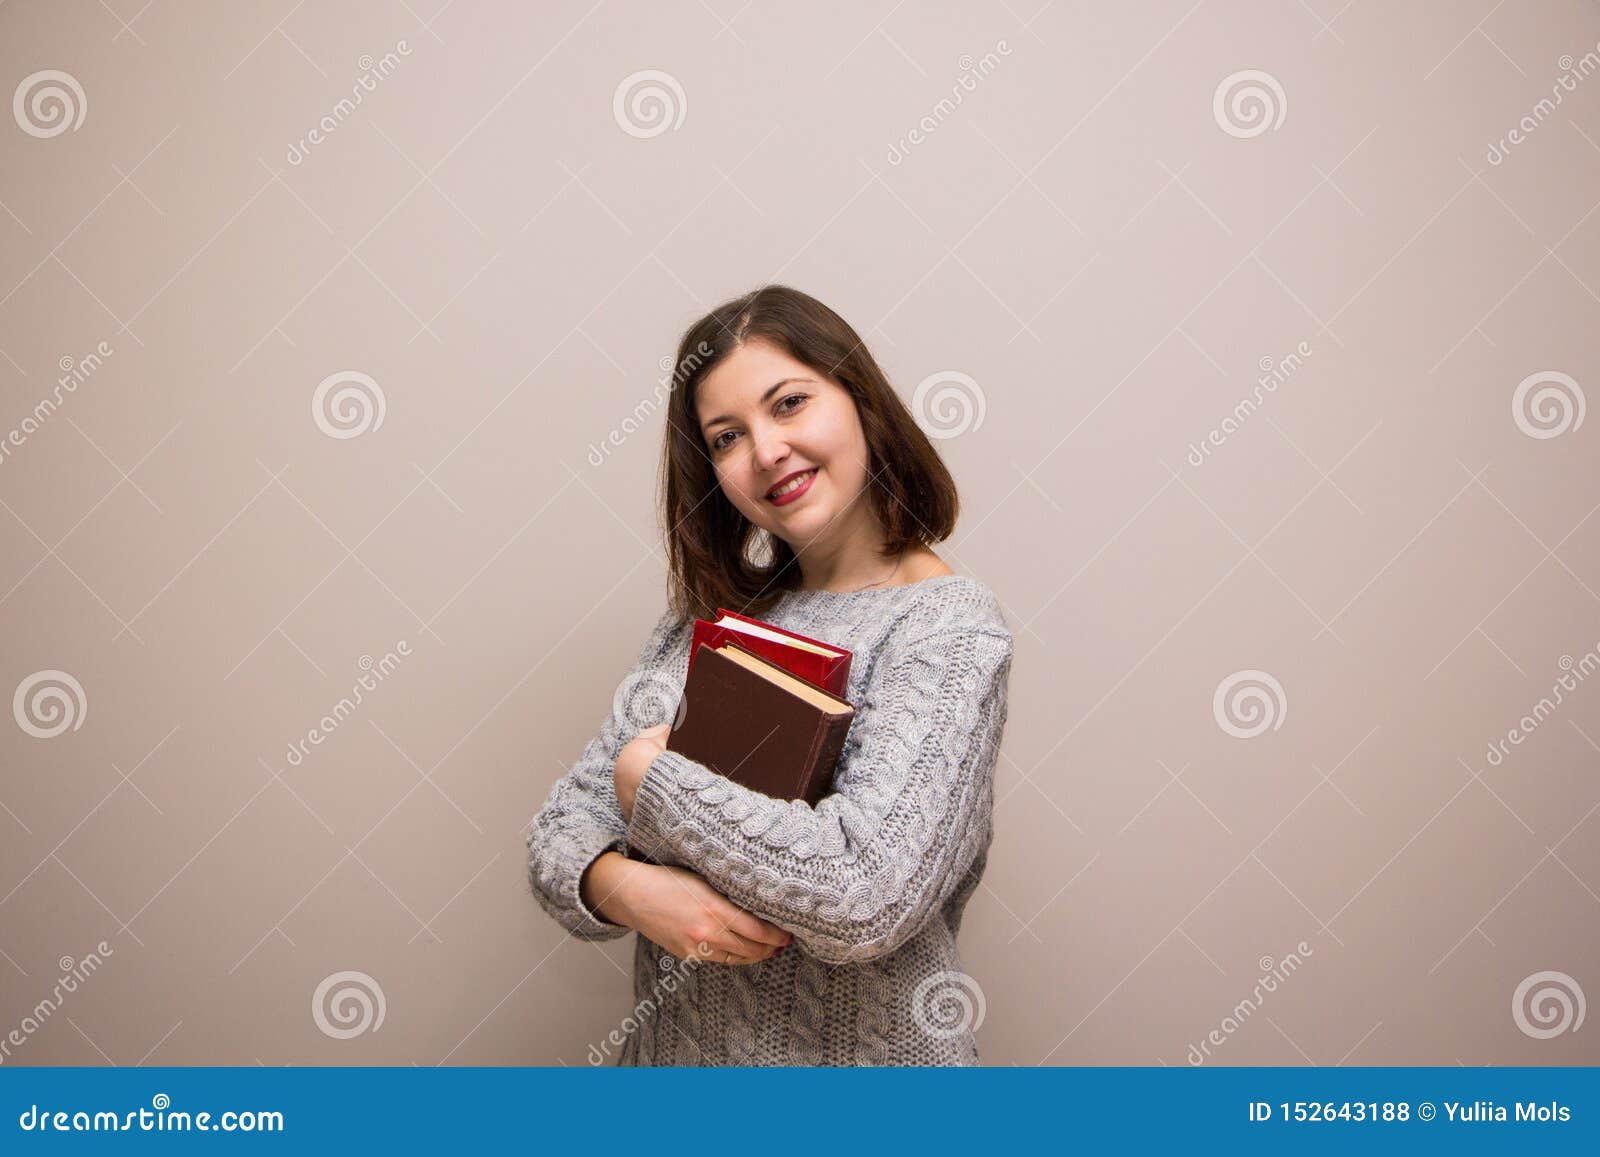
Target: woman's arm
(580, 819)
(858, 874)
(678, 911)
(602, 886)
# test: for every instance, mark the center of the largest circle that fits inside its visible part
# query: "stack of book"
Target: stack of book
(763, 706)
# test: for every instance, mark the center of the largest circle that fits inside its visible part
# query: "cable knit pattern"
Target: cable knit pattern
(872, 881)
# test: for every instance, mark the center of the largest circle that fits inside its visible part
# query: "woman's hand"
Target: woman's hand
(633, 761)
(678, 910)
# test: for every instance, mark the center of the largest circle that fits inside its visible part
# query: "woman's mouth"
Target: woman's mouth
(792, 489)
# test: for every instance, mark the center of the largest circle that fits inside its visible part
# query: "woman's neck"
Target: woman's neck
(870, 569)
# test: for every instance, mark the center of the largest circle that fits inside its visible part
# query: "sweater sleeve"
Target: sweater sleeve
(859, 873)
(580, 818)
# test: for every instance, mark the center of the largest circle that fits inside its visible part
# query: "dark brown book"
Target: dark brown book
(759, 725)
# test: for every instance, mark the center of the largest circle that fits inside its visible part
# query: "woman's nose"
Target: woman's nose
(768, 450)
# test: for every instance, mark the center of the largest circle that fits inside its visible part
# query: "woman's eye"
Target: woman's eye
(783, 407)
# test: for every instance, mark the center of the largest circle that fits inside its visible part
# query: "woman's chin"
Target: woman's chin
(803, 531)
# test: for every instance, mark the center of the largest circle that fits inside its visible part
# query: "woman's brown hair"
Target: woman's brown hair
(708, 539)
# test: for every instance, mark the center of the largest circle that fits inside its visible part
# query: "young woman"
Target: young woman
(796, 489)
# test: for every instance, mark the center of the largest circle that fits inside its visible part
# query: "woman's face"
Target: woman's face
(765, 417)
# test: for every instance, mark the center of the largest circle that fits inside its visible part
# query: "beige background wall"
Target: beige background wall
(1107, 254)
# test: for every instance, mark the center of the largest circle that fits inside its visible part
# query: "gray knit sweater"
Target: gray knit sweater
(871, 881)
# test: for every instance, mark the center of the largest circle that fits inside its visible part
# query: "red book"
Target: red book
(814, 661)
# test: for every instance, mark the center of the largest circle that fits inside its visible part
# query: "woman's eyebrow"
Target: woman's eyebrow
(772, 389)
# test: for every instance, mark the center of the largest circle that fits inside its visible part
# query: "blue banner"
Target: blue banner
(1544, 1110)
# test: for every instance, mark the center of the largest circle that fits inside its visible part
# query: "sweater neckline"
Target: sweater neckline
(798, 597)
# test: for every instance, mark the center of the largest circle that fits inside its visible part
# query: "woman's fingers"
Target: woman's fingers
(754, 928)
(728, 947)
(720, 949)
(735, 958)
(742, 947)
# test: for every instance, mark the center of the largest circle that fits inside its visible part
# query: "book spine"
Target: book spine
(823, 758)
